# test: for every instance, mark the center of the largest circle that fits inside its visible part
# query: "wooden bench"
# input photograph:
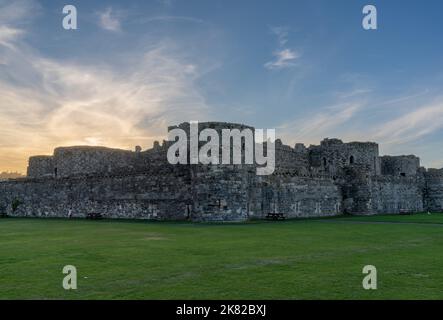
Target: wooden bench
(275, 216)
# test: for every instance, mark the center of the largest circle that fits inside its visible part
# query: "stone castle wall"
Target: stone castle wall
(333, 154)
(72, 161)
(396, 195)
(329, 179)
(365, 194)
(400, 165)
(163, 194)
(221, 192)
(434, 190)
(292, 158)
(40, 166)
(298, 196)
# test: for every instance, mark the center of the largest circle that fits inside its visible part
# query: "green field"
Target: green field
(295, 259)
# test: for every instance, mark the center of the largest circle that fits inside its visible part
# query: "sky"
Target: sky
(306, 68)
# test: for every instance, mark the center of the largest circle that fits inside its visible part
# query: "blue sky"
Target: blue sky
(306, 68)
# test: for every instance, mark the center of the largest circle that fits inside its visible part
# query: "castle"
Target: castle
(329, 179)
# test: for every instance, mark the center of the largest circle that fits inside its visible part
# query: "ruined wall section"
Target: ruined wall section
(221, 192)
(333, 155)
(295, 196)
(83, 160)
(151, 158)
(90, 160)
(365, 194)
(325, 180)
(400, 165)
(390, 194)
(161, 194)
(40, 166)
(434, 190)
(296, 158)
(356, 190)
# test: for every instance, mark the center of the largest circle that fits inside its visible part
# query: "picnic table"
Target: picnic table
(94, 216)
(275, 216)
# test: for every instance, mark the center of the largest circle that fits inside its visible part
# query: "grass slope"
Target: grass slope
(297, 259)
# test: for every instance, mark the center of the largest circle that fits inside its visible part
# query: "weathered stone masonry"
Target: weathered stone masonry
(329, 179)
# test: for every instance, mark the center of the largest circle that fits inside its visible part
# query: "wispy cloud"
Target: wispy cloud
(109, 20)
(405, 98)
(325, 123)
(169, 19)
(397, 132)
(14, 15)
(281, 33)
(412, 126)
(9, 35)
(47, 102)
(283, 58)
(18, 11)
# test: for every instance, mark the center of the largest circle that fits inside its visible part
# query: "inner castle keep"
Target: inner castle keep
(329, 179)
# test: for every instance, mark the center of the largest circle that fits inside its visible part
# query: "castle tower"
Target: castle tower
(434, 190)
(356, 190)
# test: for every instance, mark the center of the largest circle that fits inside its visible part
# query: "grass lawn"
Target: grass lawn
(296, 259)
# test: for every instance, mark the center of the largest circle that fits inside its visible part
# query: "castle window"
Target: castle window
(55, 171)
(324, 162)
(351, 160)
(403, 174)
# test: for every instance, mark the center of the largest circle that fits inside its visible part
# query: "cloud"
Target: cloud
(412, 126)
(170, 19)
(48, 102)
(283, 59)
(9, 35)
(76, 104)
(20, 11)
(353, 93)
(325, 123)
(108, 20)
(405, 98)
(13, 16)
(357, 117)
(281, 33)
